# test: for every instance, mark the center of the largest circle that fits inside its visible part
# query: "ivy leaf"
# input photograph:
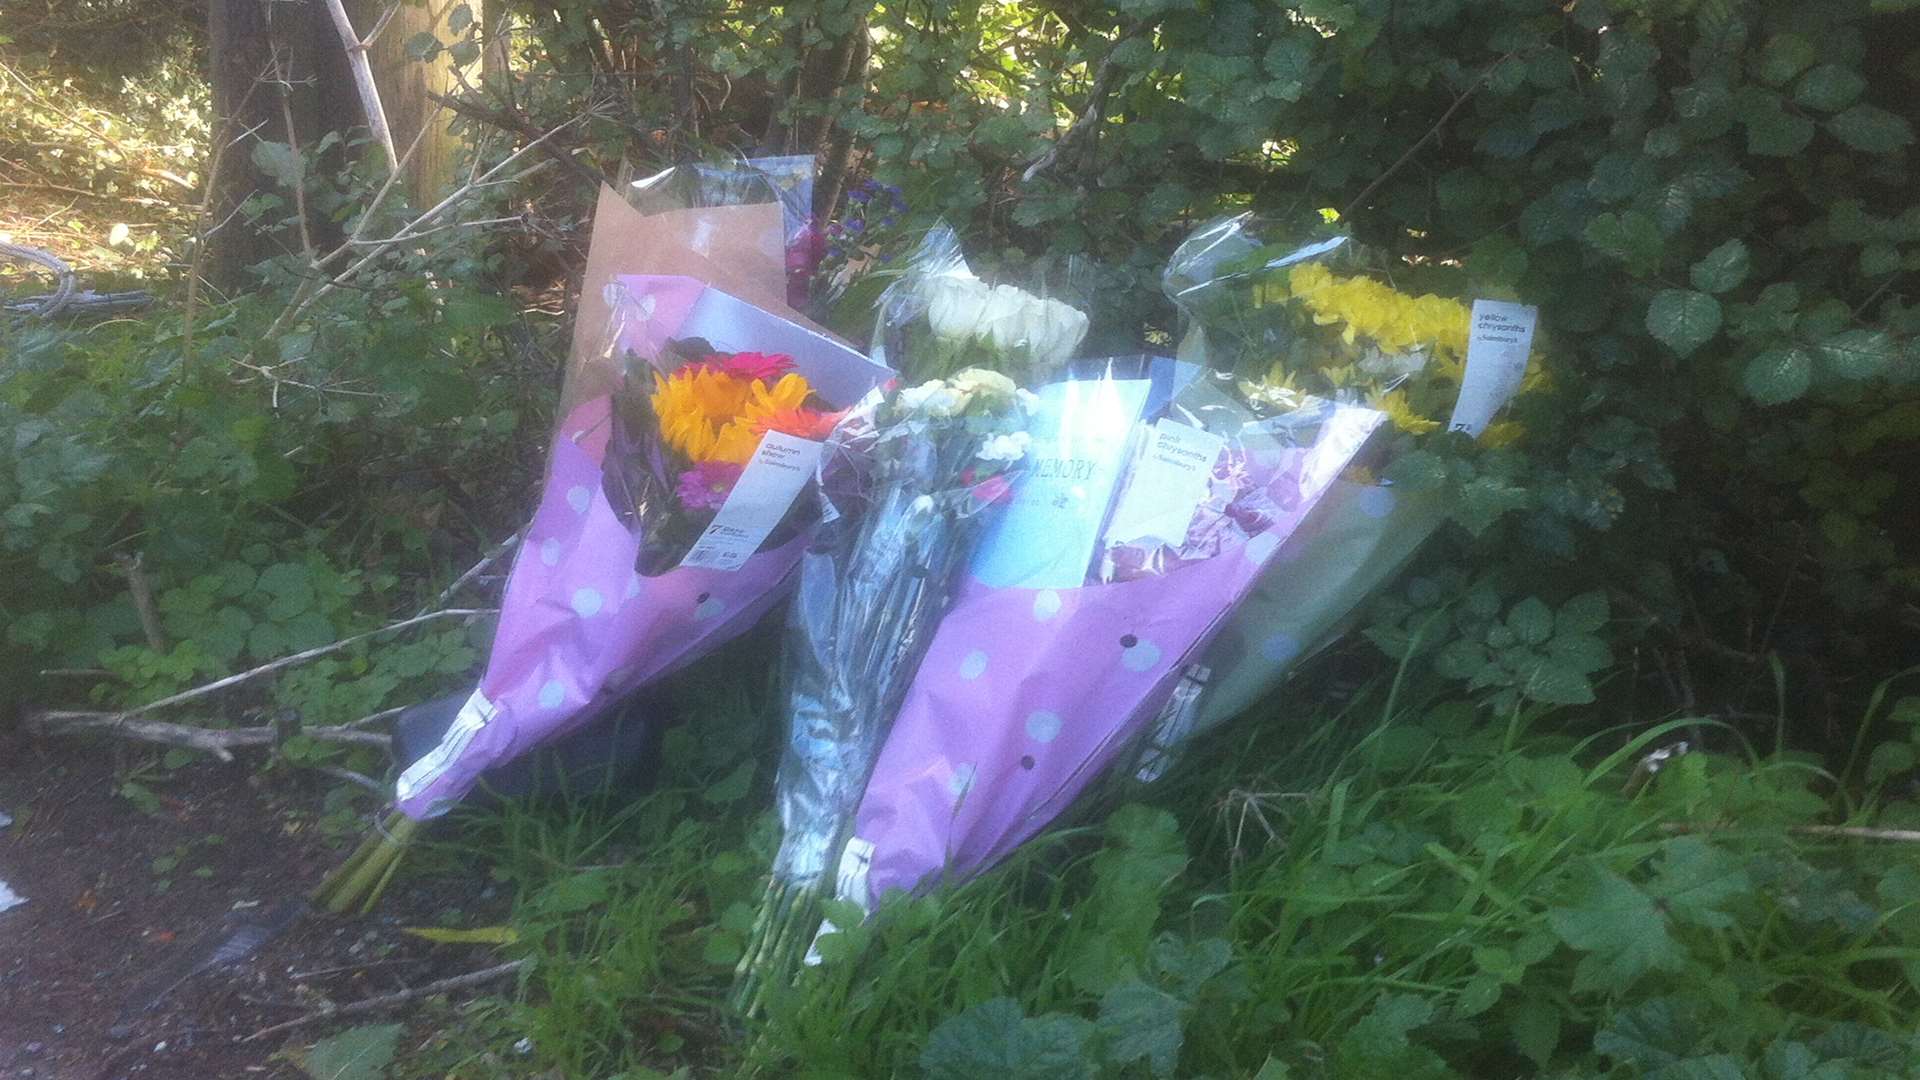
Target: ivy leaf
(1858, 354)
(1778, 376)
(1683, 319)
(997, 1039)
(1620, 930)
(1828, 88)
(1721, 269)
(1871, 129)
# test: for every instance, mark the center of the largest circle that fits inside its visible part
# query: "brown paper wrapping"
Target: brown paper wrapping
(737, 249)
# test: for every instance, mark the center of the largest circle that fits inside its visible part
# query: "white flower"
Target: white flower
(985, 383)
(913, 397)
(1394, 366)
(1008, 317)
(1010, 447)
(956, 306)
(933, 399)
(1049, 330)
(1054, 331)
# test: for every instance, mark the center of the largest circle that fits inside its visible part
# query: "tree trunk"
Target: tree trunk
(268, 66)
(405, 82)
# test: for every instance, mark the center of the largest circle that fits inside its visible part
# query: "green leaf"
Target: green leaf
(460, 18)
(1721, 269)
(1535, 1025)
(278, 161)
(1828, 88)
(1632, 237)
(1778, 375)
(1620, 929)
(1871, 129)
(422, 46)
(997, 1039)
(1889, 758)
(1683, 319)
(1772, 131)
(1531, 621)
(1583, 614)
(1783, 57)
(1695, 878)
(732, 787)
(1382, 1033)
(1858, 354)
(361, 1053)
(1141, 1023)
(1653, 1034)
(1557, 683)
(1419, 470)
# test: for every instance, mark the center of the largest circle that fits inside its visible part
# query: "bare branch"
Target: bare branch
(404, 997)
(362, 69)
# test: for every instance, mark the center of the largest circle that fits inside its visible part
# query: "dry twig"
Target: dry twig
(403, 997)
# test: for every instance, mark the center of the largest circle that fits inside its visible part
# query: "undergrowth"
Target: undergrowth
(1391, 890)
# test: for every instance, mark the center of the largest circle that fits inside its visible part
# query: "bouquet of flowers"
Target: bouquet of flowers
(671, 520)
(1154, 496)
(1308, 314)
(908, 476)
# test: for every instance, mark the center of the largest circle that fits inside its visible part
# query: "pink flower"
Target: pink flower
(992, 489)
(752, 365)
(705, 486)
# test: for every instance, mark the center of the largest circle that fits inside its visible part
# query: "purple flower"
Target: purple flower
(706, 485)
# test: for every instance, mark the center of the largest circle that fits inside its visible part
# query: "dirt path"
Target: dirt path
(113, 967)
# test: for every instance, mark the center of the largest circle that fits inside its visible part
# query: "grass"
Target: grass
(1410, 891)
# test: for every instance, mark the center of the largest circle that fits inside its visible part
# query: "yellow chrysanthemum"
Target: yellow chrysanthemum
(1504, 433)
(1394, 403)
(1393, 321)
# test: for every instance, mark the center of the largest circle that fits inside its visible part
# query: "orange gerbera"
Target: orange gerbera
(801, 422)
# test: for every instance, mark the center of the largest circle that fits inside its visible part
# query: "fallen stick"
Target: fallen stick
(220, 742)
(299, 658)
(1849, 832)
(388, 1001)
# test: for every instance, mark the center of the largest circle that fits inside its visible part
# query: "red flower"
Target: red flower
(752, 365)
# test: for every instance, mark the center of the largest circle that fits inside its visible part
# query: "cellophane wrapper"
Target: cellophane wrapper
(1152, 500)
(580, 620)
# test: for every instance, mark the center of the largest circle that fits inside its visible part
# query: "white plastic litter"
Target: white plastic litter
(8, 898)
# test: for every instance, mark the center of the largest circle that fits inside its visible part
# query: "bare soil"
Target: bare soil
(114, 968)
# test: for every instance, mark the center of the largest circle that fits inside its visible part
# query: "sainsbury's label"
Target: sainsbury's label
(761, 497)
(1498, 342)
